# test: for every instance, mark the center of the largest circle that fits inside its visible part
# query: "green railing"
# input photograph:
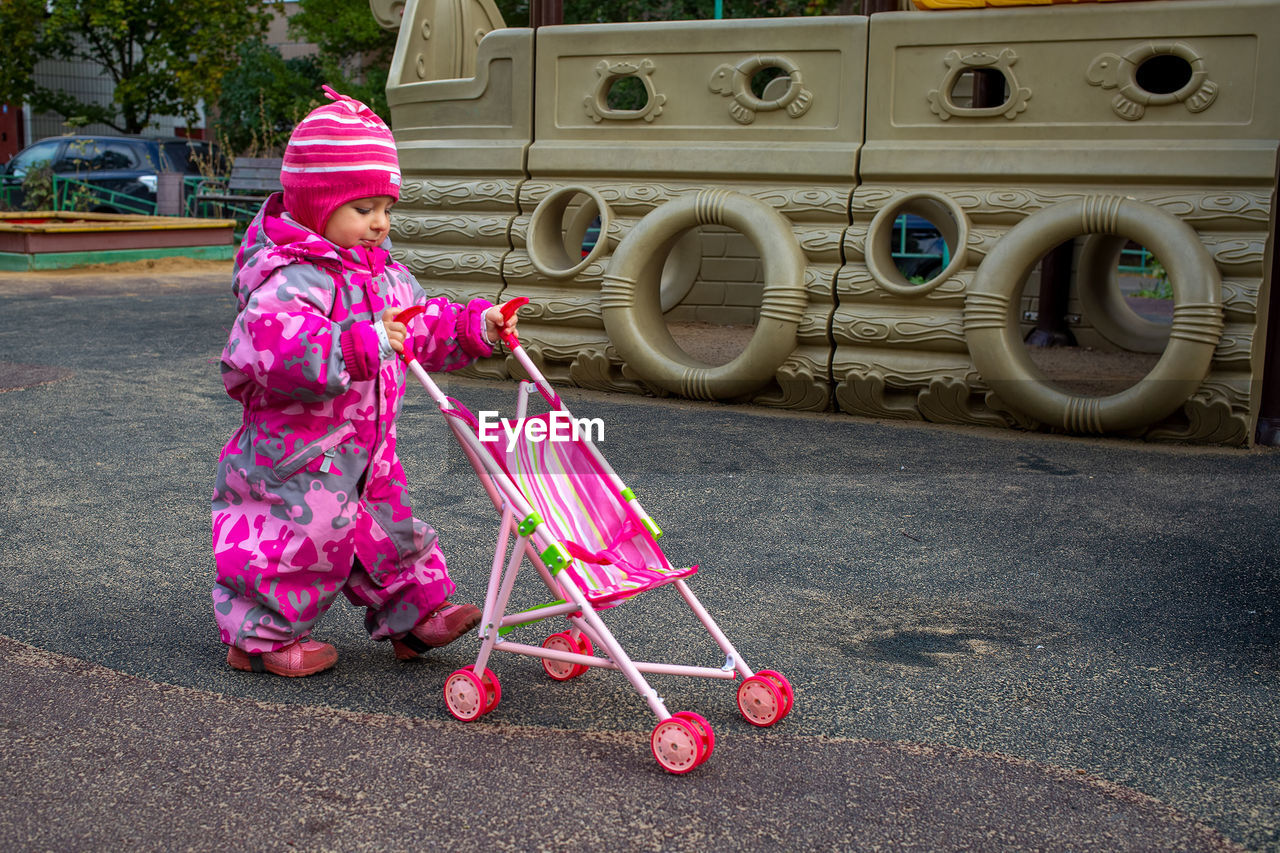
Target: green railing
(68, 191)
(69, 194)
(901, 250)
(1137, 261)
(72, 194)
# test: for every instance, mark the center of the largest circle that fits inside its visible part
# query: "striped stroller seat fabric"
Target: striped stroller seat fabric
(614, 557)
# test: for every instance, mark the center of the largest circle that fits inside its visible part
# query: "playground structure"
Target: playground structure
(755, 169)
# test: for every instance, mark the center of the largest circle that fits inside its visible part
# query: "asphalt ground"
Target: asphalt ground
(997, 640)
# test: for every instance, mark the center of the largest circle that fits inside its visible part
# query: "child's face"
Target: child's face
(360, 222)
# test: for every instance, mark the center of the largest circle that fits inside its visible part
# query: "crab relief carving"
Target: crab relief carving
(942, 105)
(734, 82)
(1111, 71)
(607, 73)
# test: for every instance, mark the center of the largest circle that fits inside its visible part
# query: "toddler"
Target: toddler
(310, 495)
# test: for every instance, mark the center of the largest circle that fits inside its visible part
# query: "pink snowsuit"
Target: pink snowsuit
(310, 495)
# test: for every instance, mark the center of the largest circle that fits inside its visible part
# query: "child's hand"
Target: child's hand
(496, 326)
(396, 332)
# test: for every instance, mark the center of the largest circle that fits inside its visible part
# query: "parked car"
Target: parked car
(122, 172)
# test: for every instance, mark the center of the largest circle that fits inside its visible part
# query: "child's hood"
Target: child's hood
(275, 240)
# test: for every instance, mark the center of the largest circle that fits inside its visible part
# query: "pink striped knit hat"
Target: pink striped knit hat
(339, 152)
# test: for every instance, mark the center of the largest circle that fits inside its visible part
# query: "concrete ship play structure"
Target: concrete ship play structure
(755, 170)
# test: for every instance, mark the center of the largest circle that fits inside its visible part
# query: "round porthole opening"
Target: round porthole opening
(627, 94)
(980, 88)
(1088, 343)
(916, 242)
(568, 230)
(1164, 74)
(770, 83)
(711, 293)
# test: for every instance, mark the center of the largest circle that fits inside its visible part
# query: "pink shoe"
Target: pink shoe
(301, 657)
(445, 624)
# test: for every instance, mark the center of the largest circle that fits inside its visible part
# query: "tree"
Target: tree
(164, 56)
(20, 22)
(354, 52)
(263, 97)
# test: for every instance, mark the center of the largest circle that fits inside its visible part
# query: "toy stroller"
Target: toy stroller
(594, 546)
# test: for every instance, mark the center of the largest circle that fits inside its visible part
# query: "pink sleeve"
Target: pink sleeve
(284, 341)
(471, 329)
(360, 351)
(448, 336)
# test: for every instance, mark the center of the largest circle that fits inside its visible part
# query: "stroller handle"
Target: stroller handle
(406, 354)
(507, 309)
(512, 341)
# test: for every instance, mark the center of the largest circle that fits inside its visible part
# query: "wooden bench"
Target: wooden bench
(251, 181)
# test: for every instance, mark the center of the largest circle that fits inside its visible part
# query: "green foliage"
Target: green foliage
(20, 22)
(263, 97)
(164, 56)
(354, 53)
(37, 187)
(40, 191)
(80, 198)
(1163, 288)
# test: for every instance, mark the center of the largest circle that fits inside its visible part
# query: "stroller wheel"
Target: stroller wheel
(465, 695)
(784, 687)
(676, 745)
(558, 669)
(493, 690)
(760, 701)
(703, 728)
(584, 648)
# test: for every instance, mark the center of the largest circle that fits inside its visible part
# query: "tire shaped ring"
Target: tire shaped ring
(1001, 358)
(878, 253)
(545, 240)
(629, 296)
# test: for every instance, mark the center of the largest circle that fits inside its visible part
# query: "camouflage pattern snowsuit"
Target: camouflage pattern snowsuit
(310, 495)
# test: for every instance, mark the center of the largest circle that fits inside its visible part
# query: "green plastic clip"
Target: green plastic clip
(507, 629)
(530, 524)
(649, 524)
(556, 557)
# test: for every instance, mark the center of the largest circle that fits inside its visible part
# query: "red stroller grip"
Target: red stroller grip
(408, 314)
(507, 309)
(404, 317)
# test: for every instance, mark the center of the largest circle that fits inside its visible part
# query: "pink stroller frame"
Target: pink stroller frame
(593, 545)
